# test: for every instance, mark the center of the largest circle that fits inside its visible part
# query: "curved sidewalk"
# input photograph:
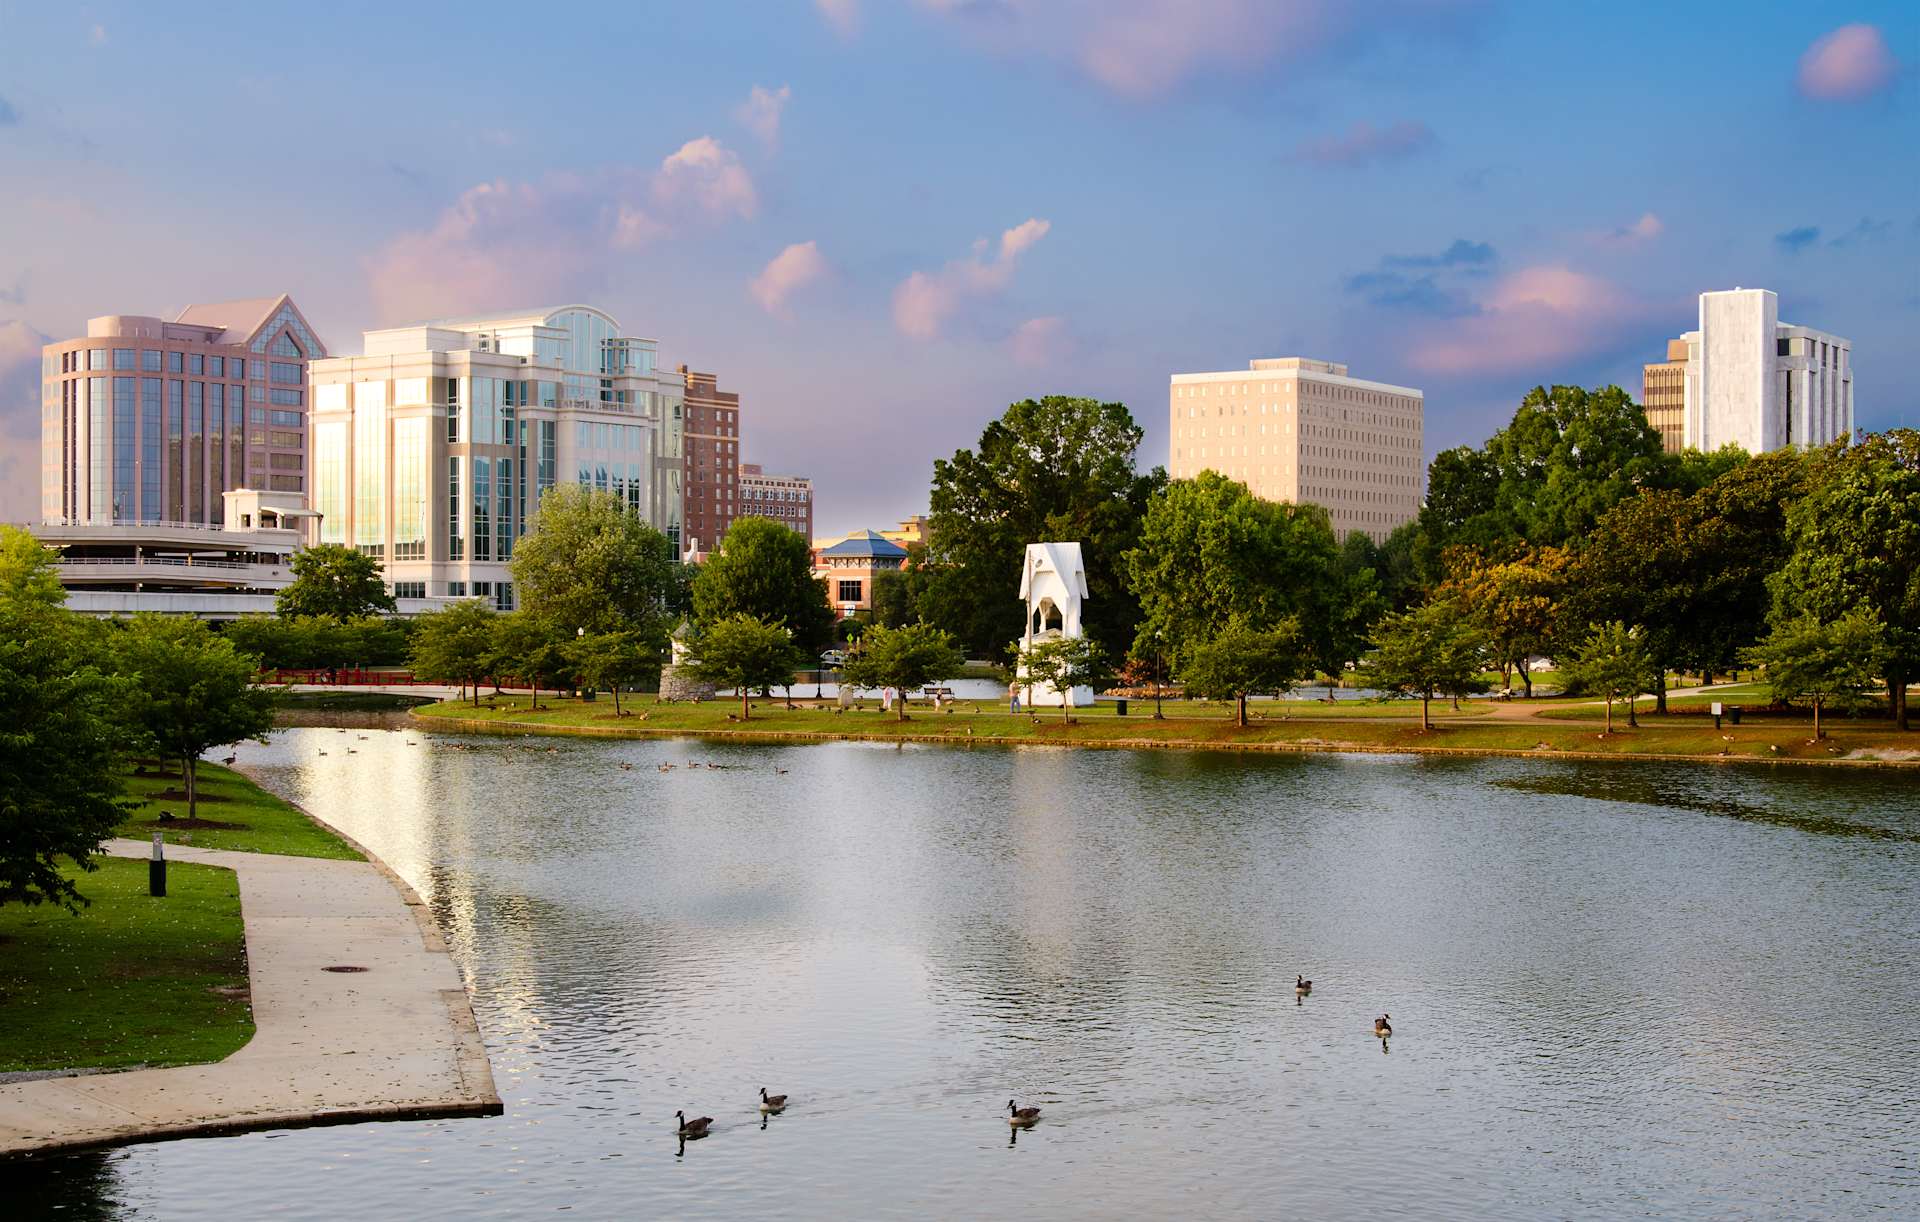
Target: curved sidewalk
(397, 1040)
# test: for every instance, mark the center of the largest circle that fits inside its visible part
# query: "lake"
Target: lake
(1617, 988)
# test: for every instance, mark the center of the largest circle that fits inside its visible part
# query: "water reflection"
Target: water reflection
(1603, 985)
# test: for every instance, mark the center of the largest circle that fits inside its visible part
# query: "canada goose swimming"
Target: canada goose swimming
(1381, 1027)
(1022, 1116)
(771, 1103)
(697, 1127)
(1301, 984)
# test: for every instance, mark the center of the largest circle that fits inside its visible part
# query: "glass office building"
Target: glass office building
(432, 449)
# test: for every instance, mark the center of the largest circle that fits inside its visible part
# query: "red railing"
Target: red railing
(343, 676)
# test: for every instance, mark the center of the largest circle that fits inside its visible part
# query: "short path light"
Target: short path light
(157, 870)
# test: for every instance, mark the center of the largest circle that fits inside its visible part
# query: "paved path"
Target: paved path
(397, 1040)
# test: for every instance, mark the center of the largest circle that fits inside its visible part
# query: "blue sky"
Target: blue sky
(882, 220)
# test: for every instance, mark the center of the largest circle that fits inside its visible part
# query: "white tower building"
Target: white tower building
(1761, 384)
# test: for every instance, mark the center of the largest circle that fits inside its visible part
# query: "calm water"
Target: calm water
(1640, 990)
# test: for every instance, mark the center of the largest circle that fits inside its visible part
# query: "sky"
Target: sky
(881, 221)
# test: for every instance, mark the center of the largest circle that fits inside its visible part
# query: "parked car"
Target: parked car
(834, 657)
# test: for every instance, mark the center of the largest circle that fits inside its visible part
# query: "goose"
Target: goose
(771, 1103)
(697, 1127)
(1022, 1116)
(780, 771)
(1301, 984)
(229, 759)
(626, 767)
(1381, 1027)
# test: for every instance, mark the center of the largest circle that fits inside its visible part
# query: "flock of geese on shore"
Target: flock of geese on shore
(692, 1128)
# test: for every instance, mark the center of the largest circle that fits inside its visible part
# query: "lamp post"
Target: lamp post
(1158, 666)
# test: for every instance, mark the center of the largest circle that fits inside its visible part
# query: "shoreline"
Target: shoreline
(502, 726)
(328, 1047)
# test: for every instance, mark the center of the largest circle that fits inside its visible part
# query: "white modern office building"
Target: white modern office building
(432, 448)
(1761, 384)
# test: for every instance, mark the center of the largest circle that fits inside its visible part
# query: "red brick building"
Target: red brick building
(710, 461)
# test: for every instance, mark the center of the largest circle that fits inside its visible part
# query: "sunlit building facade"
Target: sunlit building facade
(1753, 381)
(149, 420)
(1300, 430)
(787, 499)
(432, 449)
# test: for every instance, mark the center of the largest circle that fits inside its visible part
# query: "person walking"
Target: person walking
(1013, 698)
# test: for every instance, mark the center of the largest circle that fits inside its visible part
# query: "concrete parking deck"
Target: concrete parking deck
(396, 1040)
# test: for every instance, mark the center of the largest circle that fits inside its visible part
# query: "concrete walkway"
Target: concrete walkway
(397, 1040)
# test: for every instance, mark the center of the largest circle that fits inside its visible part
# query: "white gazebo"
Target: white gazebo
(1053, 582)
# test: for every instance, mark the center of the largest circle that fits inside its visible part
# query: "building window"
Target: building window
(176, 362)
(456, 589)
(149, 360)
(409, 589)
(849, 591)
(285, 398)
(286, 373)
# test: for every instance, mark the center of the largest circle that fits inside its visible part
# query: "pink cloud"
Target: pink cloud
(842, 15)
(925, 300)
(1040, 341)
(760, 113)
(1529, 322)
(1849, 64)
(1363, 143)
(1646, 229)
(507, 242)
(785, 274)
(1142, 49)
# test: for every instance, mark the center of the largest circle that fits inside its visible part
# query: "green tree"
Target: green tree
(1615, 662)
(764, 569)
(1061, 663)
(532, 648)
(900, 596)
(1832, 665)
(61, 755)
(616, 659)
(1854, 541)
(1212, 554)
(1515, 604)
(456, 645)
(746, 654)
(1242, 662)
(905, 658)
(588, 562)
(1431, 650)
(1353, 603)
(332, 579)
(1052, 469)
(190, 690)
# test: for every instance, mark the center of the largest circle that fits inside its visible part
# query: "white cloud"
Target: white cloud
(1532, 321)
(760, 113)
(785, 274)
(1848, 64)
(1040, 341)
(1646, 229)
(709, 175)
(924, 301)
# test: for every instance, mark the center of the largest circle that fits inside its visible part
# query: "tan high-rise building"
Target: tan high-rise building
(1299, 430)
(1663, 393)
(711, 460)
(787, 499)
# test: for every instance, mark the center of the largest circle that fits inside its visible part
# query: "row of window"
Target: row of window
(153, 360)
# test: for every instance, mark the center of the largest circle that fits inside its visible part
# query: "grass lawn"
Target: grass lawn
(132, 980)
(251, 819)
(1303, 724)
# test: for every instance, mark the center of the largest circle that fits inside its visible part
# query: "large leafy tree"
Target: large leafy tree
(1854, 542)
(764, 569)
(1242, 662)
(1353, 601)
(905, 658)
(1212, 555)
(532, 648)
(1515, 603)
(1057, 468)
(1831, 664)
(590, 563)
(614, 660)
(64, 731)
(190, 690)
(1432, 650)
(456, 645)
(332, 579)
(746, 654)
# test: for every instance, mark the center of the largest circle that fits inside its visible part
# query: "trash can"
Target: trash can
(1733, 711)
(1120, 709)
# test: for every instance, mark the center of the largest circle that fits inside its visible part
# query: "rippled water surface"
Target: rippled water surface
(1618, 989)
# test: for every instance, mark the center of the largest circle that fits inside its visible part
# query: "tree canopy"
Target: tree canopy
(333, 579)
(905, 658)
(588, 562)
(1052, 469)
(455, 645)
(1242, 662)
(190, 690)
(1061, 663)
(764, 569)
(1428, 651)
(1831, 664)
(1616, 662)
(745, 653)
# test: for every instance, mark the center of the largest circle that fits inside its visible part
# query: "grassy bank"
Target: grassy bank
(1478, 727)
(234, 814)
(132, 980)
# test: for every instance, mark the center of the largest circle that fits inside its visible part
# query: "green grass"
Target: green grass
(1295, 724)
(131, 980)
(263, 822)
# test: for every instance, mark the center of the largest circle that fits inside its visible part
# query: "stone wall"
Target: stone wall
(679, 683)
